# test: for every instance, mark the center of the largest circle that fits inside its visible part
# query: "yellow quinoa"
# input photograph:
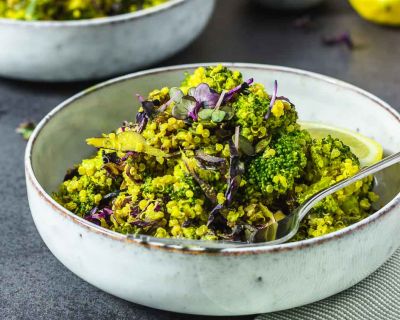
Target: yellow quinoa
(214, 159)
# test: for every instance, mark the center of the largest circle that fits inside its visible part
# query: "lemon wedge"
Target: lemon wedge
(378, 11)
(367, 150)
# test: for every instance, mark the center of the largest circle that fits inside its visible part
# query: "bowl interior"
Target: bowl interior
(60, 140)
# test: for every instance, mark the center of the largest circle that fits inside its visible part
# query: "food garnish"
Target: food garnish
(217, 158)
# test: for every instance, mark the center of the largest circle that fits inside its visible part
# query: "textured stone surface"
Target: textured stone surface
(33, 284)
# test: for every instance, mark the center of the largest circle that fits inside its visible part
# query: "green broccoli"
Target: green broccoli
(250, 109)
(217, 77)
(281, 164)
(331, 161)
(330, 157)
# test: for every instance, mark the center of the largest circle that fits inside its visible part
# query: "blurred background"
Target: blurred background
(331, 39)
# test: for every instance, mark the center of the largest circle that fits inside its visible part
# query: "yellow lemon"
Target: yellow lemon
(367, 150)
(379, 11)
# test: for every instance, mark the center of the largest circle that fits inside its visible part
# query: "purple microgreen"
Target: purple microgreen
(93, 220)
(228, 96)
(92, 211)
(163, 107)
(236, 170)
(236, 137)
(213, 213)
(285, 99)
(304, 22)
(216, 221)
(135, 211)
(105, 213)
(187, 106)
(141, 119)
(96, 214)
(199, 97)
(342, 38)
(147, 105)
(149, 108)
(143, 224)
(205, 96)
(220, 99)
(233, 186)
(25, 129)
(208, 190)
(272, 102)
(235, 165)
(193, 107)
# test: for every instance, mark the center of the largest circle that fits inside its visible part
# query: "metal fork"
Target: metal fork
(289, 226)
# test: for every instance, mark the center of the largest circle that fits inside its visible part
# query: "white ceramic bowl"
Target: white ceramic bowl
(99, 48)
(289, 4)
(203, 279)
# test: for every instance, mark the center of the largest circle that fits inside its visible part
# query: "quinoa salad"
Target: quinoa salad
(70, 9)
(218, 158)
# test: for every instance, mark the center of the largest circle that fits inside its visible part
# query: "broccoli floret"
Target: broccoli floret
(277, 169)
(283, 118)
(217, 77)
(331, 161)
(250, 109)
(330, 157)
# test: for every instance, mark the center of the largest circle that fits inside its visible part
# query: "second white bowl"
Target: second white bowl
(99, 48)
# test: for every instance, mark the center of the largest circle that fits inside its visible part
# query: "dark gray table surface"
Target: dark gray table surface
(33, 284)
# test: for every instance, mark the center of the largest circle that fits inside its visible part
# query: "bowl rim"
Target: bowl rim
(201, 246)
(94, 21)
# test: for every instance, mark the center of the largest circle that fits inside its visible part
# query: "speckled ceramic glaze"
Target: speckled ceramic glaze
(198, 277)
(98, 48)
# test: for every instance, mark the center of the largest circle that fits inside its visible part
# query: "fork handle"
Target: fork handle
(308, 204)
